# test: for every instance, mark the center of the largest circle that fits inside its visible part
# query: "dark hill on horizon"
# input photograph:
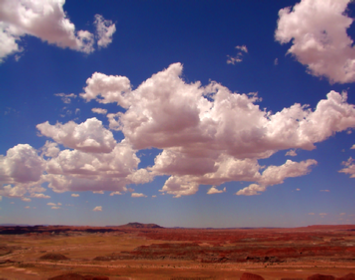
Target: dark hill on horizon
(140, 225)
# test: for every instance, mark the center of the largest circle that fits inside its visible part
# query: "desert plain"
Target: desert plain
(148, 251)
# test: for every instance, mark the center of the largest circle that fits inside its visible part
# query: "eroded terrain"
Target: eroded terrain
(140, 251)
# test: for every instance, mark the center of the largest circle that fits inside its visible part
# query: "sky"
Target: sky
(180, 113)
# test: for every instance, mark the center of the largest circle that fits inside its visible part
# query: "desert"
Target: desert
(148, 251)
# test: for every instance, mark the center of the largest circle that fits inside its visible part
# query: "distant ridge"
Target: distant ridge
(139, 225)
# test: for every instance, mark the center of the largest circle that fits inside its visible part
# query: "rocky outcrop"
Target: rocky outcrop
(250, 276)
(54, 257)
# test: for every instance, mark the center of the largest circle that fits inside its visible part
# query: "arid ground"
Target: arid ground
(137, 251)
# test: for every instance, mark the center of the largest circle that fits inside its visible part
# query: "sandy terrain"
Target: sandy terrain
(138, 252)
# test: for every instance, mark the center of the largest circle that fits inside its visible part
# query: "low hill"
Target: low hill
(139, 225)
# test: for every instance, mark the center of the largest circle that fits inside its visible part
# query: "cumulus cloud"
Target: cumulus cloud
(317, 29)
(40, 195)
(75, 195)
(26, 199)
(349, 167)
(214, 190)
(138, 195)
(352, 147)
(51, 204)
(97, 208)
(210, 135)
(50, 149)
(99, 111)
(104, 30)
(98, 192)
(46, 20)
(89, 136)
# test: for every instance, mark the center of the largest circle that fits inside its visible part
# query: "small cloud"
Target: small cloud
(75, 195)
(323, 214)
(214, 190)
(276, 61)
(59, 203)
(154, 196)
(77, 111)
(291, 153)
(66, 98)
(243, 48)
(97, 208)
(138, 195)
(51, 204)
(99, 111)
(27, 207)
(55, 207)
(311, 213)
(239, 57)
(26, 199)
(115, 193)
(130, 190)
(352, 147)
(40, 195)
(298, 189)
(325, 190)
(342, 214)
(98, 192)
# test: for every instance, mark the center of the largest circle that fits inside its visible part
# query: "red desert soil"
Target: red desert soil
(137, 251)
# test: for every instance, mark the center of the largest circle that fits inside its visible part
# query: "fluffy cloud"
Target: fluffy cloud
(66, 98)
(239, 57)
(349, 167)
(21, 165)
(40, 195)
(89, 136)
(214, 190)
(75, 195)
(138, 195)
(105, 30)
(317, 29)
(46, 19)
(50, 149)
(210, 135)
(99, 111)
(97, 208)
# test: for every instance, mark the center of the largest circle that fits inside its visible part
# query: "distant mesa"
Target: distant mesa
(54, 257)
(139, 225)
(250, 276)
(321, 277)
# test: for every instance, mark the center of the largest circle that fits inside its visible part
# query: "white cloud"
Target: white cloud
(352, 147)
(97, 208)
(51, 204)
(291, 153)
(99, 111)
(154, 196)
(138, 195)
(27, 207)
(298, 189)
(40, 195)
(55, 207)
(50, 149)
(317, 29)
(26, 199)
(350, 167)
(239, 57)
(115, 193)
(107, 89)
(104, 30)
(214, 190)
(311, 214)
(66, 98)
(44, 19)
(196, 128)
(89, 136)
(325, 190)
(273, 175)
(75, 195)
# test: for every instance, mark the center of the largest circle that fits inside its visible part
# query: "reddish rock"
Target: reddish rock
(54, 257)
(321, 277)
(350, 276)
(250, 276)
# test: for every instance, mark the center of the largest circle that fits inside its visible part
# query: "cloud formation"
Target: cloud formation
(349, 167)
(317, 30)
(97, 209)
(46, 20)
(207, 135)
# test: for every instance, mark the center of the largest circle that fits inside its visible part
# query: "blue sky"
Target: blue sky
(180, 113)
